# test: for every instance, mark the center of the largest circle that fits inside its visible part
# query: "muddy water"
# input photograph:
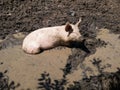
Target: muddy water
(26, 69)
(109, 55)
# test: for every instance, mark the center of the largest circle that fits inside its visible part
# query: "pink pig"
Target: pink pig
(50, 37)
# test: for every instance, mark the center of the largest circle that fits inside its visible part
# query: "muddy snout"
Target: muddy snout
(81, 39)
(81, 44)
(77, 43)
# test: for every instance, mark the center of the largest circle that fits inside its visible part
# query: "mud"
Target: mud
(25, 69)
(98, 53)
(26, 16)
(109, 55)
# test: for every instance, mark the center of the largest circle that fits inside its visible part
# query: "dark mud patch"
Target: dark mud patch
(104, 81)
(12, 40)
(26, 16)
(87, 48)
(5, 83)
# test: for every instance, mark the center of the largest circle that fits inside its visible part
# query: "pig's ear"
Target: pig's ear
(68, 27)
(78, 23)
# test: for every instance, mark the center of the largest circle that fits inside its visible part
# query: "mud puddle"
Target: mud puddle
(109, 55)
(26, 69)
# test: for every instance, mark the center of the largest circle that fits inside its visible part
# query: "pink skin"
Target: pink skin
(50, 37)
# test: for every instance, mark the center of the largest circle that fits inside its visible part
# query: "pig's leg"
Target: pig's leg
(33, 49)
(37, 51)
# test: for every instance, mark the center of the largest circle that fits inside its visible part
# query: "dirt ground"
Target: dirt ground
(99, 54)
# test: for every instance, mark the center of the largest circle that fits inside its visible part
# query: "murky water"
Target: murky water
(26, 69)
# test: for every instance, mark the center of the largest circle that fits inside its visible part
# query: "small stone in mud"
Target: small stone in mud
(73, 13)
(1, 63)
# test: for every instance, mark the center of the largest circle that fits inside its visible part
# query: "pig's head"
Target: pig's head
(73, 31)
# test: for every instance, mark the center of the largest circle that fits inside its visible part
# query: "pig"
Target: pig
(50, 37)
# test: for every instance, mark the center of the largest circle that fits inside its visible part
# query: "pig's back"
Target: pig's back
(41, 38)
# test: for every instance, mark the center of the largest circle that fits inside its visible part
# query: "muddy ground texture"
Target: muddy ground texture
(26, 16)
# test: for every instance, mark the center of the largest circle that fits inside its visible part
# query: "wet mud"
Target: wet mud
(94, 63)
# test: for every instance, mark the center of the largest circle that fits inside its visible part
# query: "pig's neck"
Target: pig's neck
(62, 34)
